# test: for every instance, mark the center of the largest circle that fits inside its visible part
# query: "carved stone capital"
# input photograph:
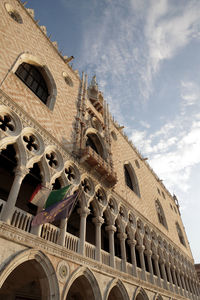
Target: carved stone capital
(111, 228)
(21, 171)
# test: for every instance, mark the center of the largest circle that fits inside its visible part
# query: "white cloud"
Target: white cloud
(144, 124)
(190, 93)
(173, 156)
(167, 30)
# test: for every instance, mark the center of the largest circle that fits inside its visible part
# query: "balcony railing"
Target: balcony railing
(102, 167)
(105, 257)
(90, 250)
(71, 242)
(51, 233)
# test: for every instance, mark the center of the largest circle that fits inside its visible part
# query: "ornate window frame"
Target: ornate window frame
(50, 82)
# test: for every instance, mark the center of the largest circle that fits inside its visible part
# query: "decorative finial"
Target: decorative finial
(93, 83)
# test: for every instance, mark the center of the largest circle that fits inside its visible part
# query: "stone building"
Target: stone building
(197, 267)
(125, 238)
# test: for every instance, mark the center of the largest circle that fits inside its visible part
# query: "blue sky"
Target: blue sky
(145, 54)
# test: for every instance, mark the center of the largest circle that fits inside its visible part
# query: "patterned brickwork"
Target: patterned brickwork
(148, 185)
(16, 39)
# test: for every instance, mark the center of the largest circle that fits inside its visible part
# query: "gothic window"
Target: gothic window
(128, 178)
(90, 143)
(161, 215)
(180, 234)
(33, 78)
(131, 179)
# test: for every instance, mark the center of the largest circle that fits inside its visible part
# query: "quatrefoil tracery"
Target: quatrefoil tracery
(52, 160)
(86, 185)
(6, 123)
(99, 196)
(70, 173)
(31, 143)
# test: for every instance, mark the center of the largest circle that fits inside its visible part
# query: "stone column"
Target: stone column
(62, 234)
(141, 254)
(184, 284)
(148, 253)
(179, 282)
(175, 279)
(162, 266)
(111, 230)
(122, 237)
(169, 275)
(83, 214)
(156, 257)
(9, 207)
(132, 244)
(98, 222)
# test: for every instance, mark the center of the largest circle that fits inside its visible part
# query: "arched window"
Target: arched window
(131, 179)
(93, 141)
(161, 215)
(180, 234)
(33, 78)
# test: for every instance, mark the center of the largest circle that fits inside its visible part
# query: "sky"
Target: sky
(145, 55)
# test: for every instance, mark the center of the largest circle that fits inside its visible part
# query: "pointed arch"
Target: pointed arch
(140, 294)
(119, 287)
(43, 264)
(160, 213)
(85, 275)
(95, 141)
(180, 234)
(36, 64)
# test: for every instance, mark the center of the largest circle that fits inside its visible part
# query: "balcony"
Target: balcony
(48, 236)
(101, 166)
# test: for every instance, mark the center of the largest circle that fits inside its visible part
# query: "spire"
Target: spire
(93, 84)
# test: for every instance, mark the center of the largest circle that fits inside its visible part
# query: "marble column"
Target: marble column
(9, 206)
(141, 248)
(162, 266)
(98, 221)
(132, 244)
(156, 257)
(122, 237)
(83, 214)
(180, 283)
(111, 230)
(62, 234)
(148, 253)
(169, 275)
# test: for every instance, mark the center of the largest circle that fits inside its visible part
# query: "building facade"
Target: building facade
(124, 239)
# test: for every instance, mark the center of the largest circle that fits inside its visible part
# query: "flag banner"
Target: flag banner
(40, 196)
(57, 211)
(44, 197)
(56, 196)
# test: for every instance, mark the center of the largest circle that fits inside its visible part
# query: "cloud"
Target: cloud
(173, 151)
(190, 93)
(167, 30)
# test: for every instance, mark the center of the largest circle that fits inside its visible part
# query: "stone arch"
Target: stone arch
(36, 61)
(140, 294)
(158, 297)
(131, 178)
(98, 142)
(84, 274)
(119, 287)
(51, 289)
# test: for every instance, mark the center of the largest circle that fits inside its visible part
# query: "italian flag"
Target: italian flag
(44, 197)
